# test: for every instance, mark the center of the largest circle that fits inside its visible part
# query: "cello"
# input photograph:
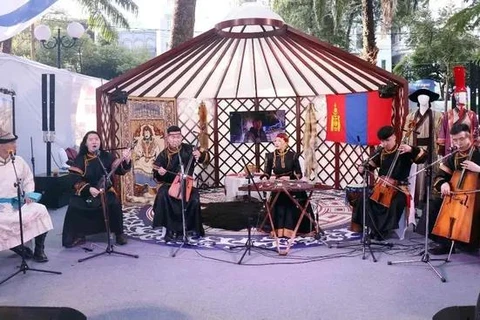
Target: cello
(175, 190)
(386, 188)
(457, 213)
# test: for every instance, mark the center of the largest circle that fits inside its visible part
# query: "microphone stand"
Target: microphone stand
(249, 243)
(184, 207)
(425, 258)
(366, 239)
(20, 198)
(103, 194)
(32, 159)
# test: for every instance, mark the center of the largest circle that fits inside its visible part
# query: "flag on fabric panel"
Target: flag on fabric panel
(16, 15)
(355, 118)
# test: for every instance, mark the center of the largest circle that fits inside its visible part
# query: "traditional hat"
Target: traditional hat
(414, 96)
(173, 129)
(283, 136)
(6, 137)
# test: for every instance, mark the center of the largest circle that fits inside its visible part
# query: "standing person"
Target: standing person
(168, 210)
(283, 164)
(461, 138)
(35, 217)
(85, 214)
(379, 218)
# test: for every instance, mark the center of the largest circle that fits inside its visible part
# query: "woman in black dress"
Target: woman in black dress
(283, 164)
(85, 214)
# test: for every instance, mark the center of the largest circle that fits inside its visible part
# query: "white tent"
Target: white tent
(75, 110)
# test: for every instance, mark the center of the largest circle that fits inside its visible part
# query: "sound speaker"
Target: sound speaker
(40, 313)
(456, 313)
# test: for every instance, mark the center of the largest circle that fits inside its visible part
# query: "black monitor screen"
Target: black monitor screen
(256, 126)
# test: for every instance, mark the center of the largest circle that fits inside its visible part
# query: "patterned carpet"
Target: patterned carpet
(333, 216)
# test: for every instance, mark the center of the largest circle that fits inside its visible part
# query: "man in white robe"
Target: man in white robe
(35, 217)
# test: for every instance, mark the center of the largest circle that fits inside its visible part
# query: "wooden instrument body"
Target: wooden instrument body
(105, 181)
(175, 190)
(384, 191)
(458, 213)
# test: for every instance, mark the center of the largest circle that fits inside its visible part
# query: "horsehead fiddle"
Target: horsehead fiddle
(386, 188)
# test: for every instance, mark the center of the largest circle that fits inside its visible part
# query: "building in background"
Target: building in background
(139, 39)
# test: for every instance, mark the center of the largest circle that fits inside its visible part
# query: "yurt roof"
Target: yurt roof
(253, 53)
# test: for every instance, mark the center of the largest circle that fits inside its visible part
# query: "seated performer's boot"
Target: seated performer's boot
(26, 251)
(121, 239)
(39, 254)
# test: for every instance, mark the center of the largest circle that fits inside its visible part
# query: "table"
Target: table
(56, 190)
(287, 187)
(233, 181)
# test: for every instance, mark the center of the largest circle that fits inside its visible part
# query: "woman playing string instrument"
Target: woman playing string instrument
(462, 138)
(85, 215)
(283, 164)
(379, 218)
(168, 210)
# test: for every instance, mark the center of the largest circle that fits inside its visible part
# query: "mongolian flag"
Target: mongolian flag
(355, 118)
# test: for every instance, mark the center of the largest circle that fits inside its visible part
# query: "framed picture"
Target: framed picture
(144, 122)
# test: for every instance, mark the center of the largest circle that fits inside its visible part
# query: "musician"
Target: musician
(85, 212)
(256, 133)
(461, 138)
(379, 218)
(168, 210)
(35, 217)
(283, 164)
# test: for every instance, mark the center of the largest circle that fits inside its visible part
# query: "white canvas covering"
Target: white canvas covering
(75, 111)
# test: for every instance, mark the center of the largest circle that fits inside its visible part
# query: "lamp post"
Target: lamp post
(42, 32)
(74, 30)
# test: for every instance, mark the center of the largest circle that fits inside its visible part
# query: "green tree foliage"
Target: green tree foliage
(438, 47)
(329, 21)
(466, 19)
(104, 15)
(110, 60)
(98, 59)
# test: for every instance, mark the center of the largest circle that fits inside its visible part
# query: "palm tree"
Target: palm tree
(468, 18)
(103, 16)
(183, 22)
(389, 9)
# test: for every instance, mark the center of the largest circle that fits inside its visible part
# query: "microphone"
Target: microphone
(11, 154)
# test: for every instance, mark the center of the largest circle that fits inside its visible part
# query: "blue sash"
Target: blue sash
(35, 196)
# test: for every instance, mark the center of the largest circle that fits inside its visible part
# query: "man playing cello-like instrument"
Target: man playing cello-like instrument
(394, 162)
(166, 169)
(466, 161)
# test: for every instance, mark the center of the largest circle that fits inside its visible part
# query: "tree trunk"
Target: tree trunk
(183, 22)
(7, 46)
(370, 49)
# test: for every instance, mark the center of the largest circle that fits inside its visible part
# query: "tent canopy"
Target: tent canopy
(252, 54)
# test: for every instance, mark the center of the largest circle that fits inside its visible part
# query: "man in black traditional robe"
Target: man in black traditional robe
(85, 214)
(462, 138)
(168, 210)
(379, 218)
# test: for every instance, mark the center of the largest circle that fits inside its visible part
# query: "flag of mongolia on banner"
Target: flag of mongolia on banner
(355, 118)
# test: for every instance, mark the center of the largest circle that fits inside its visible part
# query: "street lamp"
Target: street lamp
(74, 29)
